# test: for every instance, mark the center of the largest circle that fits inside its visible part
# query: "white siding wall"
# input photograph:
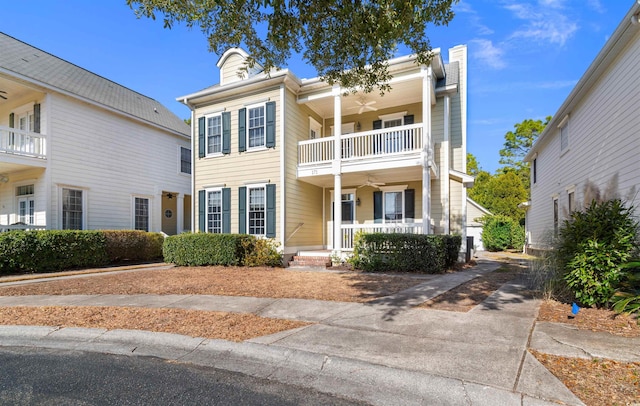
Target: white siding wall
(111, 158)
(604, 141)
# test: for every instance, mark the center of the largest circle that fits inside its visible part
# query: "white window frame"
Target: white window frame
(207, 135)
(355, 205)
(85, 198)
(26, 143)
(250, 187)
(563, 127)
(315, 129)
(134, 214)
(393, 189)
(571, 191)
(247, 122)
(555, 212)
(29, 200)
(207, 213)
(180, 171)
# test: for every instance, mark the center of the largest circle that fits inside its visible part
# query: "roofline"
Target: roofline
(91, 101)
(479, 206)
(611, 49)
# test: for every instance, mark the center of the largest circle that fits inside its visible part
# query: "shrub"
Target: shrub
(51, 250)
(133, 245)
(380, 252)
(501, 232)
(452, 245)
(204, 249)
(627, 299)
(261, 252)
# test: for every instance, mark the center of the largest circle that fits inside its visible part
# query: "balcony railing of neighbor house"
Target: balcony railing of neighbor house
(367, 144)
(22, 227)
(23, 143)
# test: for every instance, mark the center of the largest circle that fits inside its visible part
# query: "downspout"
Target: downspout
(193, 165)
(445, 166)
(48, 221)
(426, 149)
(337, 171)
(283, 149)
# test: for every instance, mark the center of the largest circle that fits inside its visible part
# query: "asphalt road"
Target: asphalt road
(33, 376)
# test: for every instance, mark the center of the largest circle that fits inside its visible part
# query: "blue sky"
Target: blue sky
(525, 56)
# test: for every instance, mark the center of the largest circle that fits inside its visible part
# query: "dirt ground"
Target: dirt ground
(596, 382)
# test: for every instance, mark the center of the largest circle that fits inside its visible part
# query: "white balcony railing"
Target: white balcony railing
(367, 144)
(22, 227)
(23, 143)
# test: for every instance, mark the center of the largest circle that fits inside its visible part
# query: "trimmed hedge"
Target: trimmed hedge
(452, 244)
(383, 252)
(57, 250)
(205, 249)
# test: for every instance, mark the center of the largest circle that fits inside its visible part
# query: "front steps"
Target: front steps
(307, 261)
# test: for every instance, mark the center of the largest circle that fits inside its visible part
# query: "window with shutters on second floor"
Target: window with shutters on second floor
(257, 127)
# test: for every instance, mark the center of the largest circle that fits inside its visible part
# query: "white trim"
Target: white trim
(314, 126)
(180, 160)
(85, 200)
(262, 186)
(248, 107)
(206, 207)
(394, 188)
(283, 196)
(208, 154)
(149, 207)
(563, 123)
(392, 116)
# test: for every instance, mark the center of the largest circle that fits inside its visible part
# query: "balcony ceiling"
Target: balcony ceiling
(14, 91)
(402, 93)
(353, 180)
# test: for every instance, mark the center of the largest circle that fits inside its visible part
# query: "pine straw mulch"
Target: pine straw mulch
(262, 282)
(195, 323)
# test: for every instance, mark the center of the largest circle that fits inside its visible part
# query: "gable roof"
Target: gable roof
(32, 64)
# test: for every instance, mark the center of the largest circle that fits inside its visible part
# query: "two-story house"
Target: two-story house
(593, 138)
(311, 164)
(78, 151)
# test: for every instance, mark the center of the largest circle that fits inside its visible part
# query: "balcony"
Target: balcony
(350, 230)
(20, 149)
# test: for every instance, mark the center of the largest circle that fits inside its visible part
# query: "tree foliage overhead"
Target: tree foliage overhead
(517, 144)
(348, 42)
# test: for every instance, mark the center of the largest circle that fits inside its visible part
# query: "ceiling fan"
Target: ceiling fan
(2, 94)
(363, 105)
(370, 183)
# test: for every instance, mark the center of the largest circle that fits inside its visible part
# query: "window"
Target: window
(214, 211)
(72, 209)
(214, 135)
(26, 204)
(393, 207)
(256, 126)
(257, 209)
(315, 129)
(141, 214)
(185, 160)
(564, 133)
(535, 169)
(571, 196)
(555, 216)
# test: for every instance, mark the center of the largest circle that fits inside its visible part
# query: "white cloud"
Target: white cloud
(545, 22)
(484, 51)
(474, 19)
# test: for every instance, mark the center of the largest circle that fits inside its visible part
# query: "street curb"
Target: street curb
(376, 384)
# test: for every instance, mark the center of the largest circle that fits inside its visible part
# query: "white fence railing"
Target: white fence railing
(350, 230)
(23, 227)
(24, 143)
(365, 144)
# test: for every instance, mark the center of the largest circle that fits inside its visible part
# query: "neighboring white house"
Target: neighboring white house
(78, 151)
(282, 157)
(594, 136)
(474, 227)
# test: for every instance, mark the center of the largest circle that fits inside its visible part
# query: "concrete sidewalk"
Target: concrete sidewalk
(384, 352)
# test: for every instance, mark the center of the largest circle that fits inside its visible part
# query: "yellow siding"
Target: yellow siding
(455, 203)
(239, 169)
(232, 66)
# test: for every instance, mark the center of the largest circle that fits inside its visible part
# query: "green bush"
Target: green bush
(204, 249)
(51, 250)
(133, 245)
(501, 232)
(382, 252)
(261, 252)
(452, 244)
(627, 299)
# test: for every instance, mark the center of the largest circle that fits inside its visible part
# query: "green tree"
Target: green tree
(500, 194)
(348, 43)
(517, 145)
(473, 167)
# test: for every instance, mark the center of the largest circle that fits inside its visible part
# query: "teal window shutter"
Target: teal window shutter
(242, 130)
(242, 210)
(226, 133)
(36, 118)
(226, 210)
(202, 210)
(271, 211)
(270, 140)
(408, 119)
(409, 204)
(201, 137)
(377, 207)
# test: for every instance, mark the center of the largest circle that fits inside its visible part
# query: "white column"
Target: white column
(426, 150)
(179, 213)
(337, 171)
(445, 165)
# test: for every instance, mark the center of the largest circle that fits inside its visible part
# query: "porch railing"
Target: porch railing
(388, 141)
(350, 230)
(23, 143)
